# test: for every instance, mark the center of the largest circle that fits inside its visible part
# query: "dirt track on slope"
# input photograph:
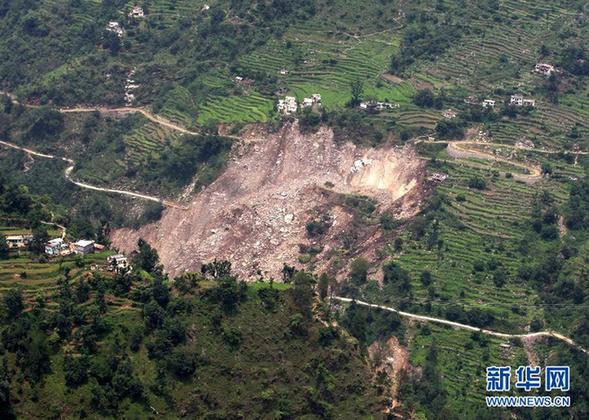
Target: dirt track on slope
(255, 213)
(425, 318)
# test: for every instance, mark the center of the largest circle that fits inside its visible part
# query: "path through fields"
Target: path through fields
(459, 325)
(70, 168)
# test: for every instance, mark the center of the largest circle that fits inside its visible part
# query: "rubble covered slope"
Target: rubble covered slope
(255, 213)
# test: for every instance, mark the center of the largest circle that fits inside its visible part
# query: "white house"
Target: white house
(288, 105)
(489, 103)
(307, 103)
(84, 247)
(55, 247)
(117, 262)
(377, 106)
(136, 12)
(544, 69)
(116, 28)
(18, 241)
(529, 102)
(283, 72)
(518, 100)
(449, 114)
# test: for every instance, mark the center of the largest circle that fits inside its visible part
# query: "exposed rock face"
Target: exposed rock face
(255, 213)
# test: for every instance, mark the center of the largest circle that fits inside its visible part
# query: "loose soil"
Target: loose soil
(255, 213)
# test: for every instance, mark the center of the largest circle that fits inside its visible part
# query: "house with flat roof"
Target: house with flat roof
(84, 247)
(489, 103)
(519, 100)
(544, 69)
(56, 247)
(288, 105)
(117, 262)
(18, 241)
(116, 28)
(136, 12)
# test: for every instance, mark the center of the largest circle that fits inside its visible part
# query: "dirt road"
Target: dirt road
(105, 110)
(68, 176)
(416, 317)
(460, 149)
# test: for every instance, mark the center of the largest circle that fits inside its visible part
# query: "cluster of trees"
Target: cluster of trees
(426, 98)
(427, 36)
(177, 165)
(575, 60)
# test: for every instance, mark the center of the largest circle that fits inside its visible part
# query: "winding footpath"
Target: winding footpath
(459, 149)
(442, 321)
(68, 176)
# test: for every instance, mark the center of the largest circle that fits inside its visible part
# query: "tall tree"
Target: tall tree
(357, 88)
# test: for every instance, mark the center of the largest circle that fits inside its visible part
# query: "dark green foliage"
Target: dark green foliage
(397, 276)
(426, 390)
(3, 247)
(577, 208)
(323, 285)
(75, 370)
(387, 221)
(270, 298)
(229, 293)
(302, 292)
(13, 303)
(357, 89)
(477, 183)
(181, 362)
(183, 160)
(327, 335)
(318, 227)
(146, 257)
(359, 271)
(426, 278)
(47, 123)
(424, 98)
(453, 129)
(427, 36)
(368, 325)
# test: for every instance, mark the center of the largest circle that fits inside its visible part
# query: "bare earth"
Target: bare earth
(255, 213)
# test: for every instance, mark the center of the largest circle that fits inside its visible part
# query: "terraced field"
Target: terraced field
(231, 109)
(462, 360)
(483, 228)
(319, 61)
(148, 139)
(40, 277)
(180, 108)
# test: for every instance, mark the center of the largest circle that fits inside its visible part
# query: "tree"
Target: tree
(217, 269)
(5, 406)
(3, 247)
(357, 88)
(426, 278)
(40, 238)
(146, 257)
(302, 292)
(13, 303)
(499, 277)
(323, 286)
(477, 182)
(395, 274)
(153, 315)
(424, 98)
(359, 271)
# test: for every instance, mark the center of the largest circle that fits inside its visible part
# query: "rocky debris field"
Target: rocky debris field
(255, 214)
